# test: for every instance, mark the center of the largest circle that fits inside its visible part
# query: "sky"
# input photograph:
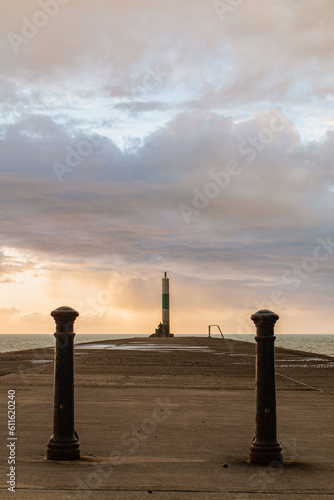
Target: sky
(193, 137)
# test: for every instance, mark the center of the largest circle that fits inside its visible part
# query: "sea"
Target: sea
(316, 343)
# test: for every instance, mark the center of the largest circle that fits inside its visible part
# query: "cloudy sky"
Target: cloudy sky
(193, 137)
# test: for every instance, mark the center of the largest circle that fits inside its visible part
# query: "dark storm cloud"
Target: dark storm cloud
(128, 204)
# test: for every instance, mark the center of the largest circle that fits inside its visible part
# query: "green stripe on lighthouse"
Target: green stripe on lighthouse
(165, 300)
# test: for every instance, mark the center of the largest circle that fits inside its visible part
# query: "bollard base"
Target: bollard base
(261, 454)
(63, 450)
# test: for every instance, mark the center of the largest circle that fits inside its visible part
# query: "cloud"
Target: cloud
(127, 203)
(259, 47)
(8, 313)
(136, 107)
(14, 264)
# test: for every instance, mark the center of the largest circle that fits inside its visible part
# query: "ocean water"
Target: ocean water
(319, 344)
(21, 342)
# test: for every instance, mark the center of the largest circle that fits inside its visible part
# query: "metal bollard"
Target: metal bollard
(63, 444)
(265, 447)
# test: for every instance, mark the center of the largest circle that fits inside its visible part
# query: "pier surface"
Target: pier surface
(170, 419)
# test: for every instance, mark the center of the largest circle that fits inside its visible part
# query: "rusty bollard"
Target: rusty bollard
(63, 444)
(265, 448)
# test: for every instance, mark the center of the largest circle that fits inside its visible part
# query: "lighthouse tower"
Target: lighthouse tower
(165, 304)
(163, 330)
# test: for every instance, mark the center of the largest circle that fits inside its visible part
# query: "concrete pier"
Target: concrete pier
(170, 419)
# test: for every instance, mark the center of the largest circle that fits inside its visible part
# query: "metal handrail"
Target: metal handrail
(221, 333)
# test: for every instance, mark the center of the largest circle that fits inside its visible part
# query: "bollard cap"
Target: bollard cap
(64, 311)
(264, 317)
(64, 317)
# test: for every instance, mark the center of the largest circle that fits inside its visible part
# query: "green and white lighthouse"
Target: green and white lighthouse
(165, 304)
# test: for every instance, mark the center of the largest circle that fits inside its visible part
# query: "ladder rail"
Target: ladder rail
(221, 333)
